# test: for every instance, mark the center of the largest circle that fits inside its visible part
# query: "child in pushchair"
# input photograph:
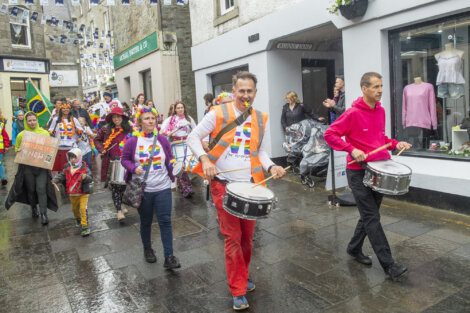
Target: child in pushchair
(307, 151)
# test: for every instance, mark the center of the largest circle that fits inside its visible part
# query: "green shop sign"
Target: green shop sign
(136, 51)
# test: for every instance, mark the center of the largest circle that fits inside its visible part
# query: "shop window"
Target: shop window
(147, 80)
(19, 27)
(224, 10)
(226, 6)
(430, 87)
(223, 81)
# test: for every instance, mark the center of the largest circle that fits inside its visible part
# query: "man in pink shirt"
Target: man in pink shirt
(363, 126)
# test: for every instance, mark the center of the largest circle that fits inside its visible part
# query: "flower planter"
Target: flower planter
(356, 8)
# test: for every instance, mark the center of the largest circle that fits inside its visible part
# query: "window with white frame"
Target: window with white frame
(226, 6)
(19, 27)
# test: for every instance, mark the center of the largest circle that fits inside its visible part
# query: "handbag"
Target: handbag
(134, 192)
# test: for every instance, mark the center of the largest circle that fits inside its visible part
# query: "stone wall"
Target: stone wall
(132, 23)
(204, 14)
(37, 38)
(176, 19)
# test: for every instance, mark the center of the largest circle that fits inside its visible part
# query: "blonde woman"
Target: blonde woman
(294, 111)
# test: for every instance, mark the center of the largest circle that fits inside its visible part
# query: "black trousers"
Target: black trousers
(368, 203)
(36, 181)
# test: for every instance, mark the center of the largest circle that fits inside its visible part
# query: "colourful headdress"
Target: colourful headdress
(224, 97)
(145, 110)
(64, 106)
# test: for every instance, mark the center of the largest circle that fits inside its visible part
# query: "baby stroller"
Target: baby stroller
(307, 151)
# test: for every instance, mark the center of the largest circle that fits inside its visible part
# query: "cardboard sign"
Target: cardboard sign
(37, 150)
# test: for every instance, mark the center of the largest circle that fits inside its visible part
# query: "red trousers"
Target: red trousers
(238, 235)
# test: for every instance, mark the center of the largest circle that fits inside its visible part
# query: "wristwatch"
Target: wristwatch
(269, 168)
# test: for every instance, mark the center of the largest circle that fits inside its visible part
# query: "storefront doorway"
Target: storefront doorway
(18, 92)
(318, 79)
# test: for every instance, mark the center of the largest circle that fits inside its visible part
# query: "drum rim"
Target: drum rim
(379, 171)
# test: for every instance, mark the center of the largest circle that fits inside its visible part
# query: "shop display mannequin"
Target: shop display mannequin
(419, 115)
(450, 80)
(451, 86)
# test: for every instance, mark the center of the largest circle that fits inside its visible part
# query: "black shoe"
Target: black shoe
(44, 219)
(150, 255)
(34, 212)
(396, 271)
(4, 182)
(171, 262)
(361, 258)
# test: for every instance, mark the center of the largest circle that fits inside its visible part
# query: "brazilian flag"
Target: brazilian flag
(38, 103)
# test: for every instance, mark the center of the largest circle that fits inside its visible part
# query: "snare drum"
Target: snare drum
(118, 173)
(244, 201)
(388, 177)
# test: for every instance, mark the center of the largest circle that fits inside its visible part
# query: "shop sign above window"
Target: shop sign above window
(294, 46)
(136, 51)
(25, 66)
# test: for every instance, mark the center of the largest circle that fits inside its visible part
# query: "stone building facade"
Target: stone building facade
(26, 53)
(164, 74)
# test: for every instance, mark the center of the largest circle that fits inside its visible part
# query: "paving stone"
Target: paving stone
(408, 228)
(299, 262)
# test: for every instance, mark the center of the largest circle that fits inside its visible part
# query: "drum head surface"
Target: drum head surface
(246, 190)
(389, 166)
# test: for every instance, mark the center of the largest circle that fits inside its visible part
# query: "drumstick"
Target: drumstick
(373, 152)
(109, 149)
(265, 180)
(402, 149)
(233, 170)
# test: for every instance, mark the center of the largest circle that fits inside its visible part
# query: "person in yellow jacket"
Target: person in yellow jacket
(242, 147)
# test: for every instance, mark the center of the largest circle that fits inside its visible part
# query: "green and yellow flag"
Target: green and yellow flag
(38, 103)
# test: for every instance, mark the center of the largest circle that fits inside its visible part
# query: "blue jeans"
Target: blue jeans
(160, 203)
(3, 174)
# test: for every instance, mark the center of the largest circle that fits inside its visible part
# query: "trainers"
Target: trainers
(240, 303)
(149, 255)
(250, 286)
(171, 262)
(120, 216)
(85, 231)
(396, 271)
(78, 222)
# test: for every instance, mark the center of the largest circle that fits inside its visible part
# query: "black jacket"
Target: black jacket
(18, 192)
(298, 114)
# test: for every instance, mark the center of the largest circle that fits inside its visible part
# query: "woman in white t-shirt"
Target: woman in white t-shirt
(157, 193)
(67, 129)
(177, 128)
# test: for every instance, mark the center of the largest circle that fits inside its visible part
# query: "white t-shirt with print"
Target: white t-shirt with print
(237, 154)
(158, 178)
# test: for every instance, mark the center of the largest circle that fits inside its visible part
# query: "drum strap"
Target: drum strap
(237, 122)
(151, 157)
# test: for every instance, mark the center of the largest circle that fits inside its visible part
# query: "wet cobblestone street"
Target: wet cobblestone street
(299, 264)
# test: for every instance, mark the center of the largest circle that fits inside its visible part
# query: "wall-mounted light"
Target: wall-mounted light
(439, 30)
(409, 36)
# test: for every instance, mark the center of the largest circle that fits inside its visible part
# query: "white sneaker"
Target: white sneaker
(120, 216)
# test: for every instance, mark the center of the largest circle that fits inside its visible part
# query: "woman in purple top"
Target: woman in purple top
(157, 193)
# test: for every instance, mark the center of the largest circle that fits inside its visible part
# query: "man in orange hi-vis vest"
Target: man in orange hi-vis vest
(242, 147)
